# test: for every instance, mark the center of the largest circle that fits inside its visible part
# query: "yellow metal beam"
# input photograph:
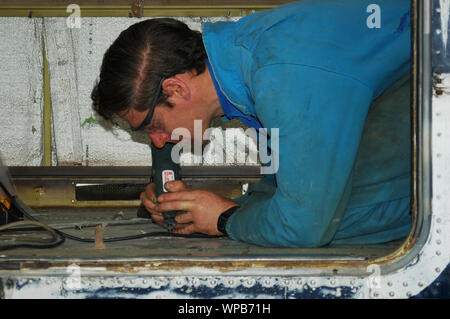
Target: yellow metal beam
(47, 116)
(125, 11)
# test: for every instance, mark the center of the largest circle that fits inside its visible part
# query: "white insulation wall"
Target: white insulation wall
(80, 137)
(21, 91)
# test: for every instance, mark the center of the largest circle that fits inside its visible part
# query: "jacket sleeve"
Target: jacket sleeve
(320, 116)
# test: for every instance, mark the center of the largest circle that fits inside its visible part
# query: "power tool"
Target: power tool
(15, 213)
(8, 210)
(164, 169)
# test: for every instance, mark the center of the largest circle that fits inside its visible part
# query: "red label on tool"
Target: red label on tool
(167, 176)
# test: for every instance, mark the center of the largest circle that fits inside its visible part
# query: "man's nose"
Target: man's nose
(159, 139)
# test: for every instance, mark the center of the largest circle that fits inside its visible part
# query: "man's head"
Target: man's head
(156, 60)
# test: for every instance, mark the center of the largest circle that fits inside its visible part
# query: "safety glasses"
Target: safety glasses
(148, 117)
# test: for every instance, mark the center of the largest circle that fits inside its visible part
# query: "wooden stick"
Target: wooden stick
(99, 244)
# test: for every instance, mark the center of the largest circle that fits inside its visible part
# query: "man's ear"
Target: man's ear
(176, 87)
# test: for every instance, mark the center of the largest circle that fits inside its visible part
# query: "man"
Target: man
(311, 69)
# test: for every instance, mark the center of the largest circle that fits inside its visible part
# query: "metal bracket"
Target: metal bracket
(137, 8)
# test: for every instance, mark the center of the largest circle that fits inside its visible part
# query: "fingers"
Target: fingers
(184, 218)
(150, 192)
(185, 229)
(174, 205)
(181, 196)
(147, 202)
(158, 219)
(175, 186)
(148, 199)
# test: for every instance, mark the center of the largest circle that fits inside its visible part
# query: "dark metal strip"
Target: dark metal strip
(133, 171)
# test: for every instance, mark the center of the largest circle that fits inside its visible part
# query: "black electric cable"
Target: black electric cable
(23, 208)
(57, 238)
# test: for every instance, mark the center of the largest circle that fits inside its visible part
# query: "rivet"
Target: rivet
(391, 294)
(405, 284)
(438, 253)
(312, 282)
(390, 284)
(439, 134)
(421, 284)
(437, 269)
(299, 282)
(332, 282)
(438, 231)
(409, 294)
(438, 242)
(376, 294)
(438, 220)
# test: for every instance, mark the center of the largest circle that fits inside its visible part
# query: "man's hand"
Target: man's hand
(148, 199)
(201, 209)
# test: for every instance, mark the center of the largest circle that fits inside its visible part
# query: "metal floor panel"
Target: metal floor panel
(74, 220)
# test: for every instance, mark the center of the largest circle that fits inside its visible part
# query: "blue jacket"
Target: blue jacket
(312, 69)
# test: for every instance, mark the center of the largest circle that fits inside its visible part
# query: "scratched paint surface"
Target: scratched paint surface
(178, 288)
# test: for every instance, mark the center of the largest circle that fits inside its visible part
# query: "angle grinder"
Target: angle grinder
(164, 170)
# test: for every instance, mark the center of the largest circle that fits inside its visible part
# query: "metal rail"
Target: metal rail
(132, 171)
(135, 8)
